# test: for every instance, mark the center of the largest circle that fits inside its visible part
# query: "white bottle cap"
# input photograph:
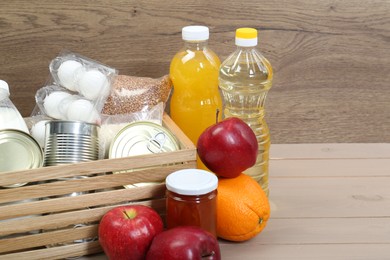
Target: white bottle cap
(4, 85)
(191, 182)
(195, 33)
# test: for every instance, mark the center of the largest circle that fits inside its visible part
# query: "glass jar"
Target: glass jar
(192, 199)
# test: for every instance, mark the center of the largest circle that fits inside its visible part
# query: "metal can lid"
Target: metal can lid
(191, 182)
(142, 137)
(69, 128)
(19, 151)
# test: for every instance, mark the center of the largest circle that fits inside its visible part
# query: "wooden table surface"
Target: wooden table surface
(328, 201)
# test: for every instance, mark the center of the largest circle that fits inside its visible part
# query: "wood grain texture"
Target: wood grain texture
(81, 201)
(324, 211)
(53, 253)
(331, 151)
(66, 219)
(331, 58)
(57, 200)
(324, 206)
(45, 238)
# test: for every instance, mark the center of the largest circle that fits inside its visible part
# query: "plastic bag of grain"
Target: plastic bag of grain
(130, 94)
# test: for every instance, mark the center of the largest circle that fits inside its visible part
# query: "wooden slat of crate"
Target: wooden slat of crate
(56, 252)
(57, 188)
(27, 211)
(58, 228)
(101, 166)
(46, 238)
(88, 200)
(187, 153)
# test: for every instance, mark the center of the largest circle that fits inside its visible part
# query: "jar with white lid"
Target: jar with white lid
(192, 199)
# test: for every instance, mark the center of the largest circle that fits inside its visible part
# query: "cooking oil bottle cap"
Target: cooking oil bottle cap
(4, 85)
(246, 37)
(195, 33)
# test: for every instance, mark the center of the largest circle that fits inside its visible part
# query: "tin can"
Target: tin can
(74, 226)
(18, 151)
(74, 193)
(70, 142)
(141, 138)
(25, 201)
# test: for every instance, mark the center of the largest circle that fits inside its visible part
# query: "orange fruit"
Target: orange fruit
(242, 208)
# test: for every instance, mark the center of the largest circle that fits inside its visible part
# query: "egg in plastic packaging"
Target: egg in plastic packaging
(63, 106)
(93, 84)
(38, 132)
(51, 102)
(82, 110)
(67, 73)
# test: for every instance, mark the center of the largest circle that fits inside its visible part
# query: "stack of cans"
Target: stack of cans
(70, 142)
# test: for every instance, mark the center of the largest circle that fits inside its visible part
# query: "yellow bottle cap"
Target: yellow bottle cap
(246, 37)
(246, 33)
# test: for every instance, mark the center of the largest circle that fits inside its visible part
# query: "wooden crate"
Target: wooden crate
(45, 227)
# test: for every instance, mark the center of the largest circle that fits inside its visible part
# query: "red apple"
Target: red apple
(228, 148)
(184, 242)
(126, 232)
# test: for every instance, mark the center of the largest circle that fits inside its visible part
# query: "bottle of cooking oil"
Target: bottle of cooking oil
(245, 77)
(194, 74)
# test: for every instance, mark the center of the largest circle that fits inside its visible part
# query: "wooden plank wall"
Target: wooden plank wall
(331, 58)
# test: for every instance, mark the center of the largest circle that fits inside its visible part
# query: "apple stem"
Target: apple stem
(130, 214)
(124, 212)
(216, 115)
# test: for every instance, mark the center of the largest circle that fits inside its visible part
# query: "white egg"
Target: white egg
(67, 74)
(51, 102)
(38, 132)
(93, 84)
(82, 110)
(63, 106)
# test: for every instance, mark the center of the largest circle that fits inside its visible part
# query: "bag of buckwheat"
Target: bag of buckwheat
(132, 99)
(131, 94)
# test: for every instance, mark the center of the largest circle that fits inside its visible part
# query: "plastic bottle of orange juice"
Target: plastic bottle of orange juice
(194, 74)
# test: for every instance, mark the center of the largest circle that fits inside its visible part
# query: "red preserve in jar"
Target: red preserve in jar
(192, 199)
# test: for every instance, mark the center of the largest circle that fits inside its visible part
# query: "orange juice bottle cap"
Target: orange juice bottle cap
(195, 33)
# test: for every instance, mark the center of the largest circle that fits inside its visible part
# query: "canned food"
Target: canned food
(70, 142)
(22, 217)
(73, 194)
(140, 138)
(74, 226)
(18, 151)
(72, 242)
